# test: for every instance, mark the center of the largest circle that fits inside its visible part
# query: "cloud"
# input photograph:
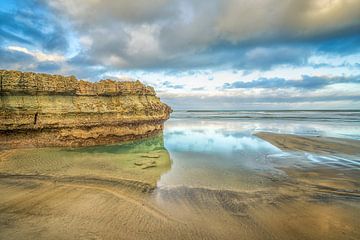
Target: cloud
(168, 84)
(32, 24)
(40, 56)
(32, 38)
(198, 89)
(9, 58)
(265, 58)
(233, 102)
(164, 34)
(48, 66)
(25, 60)
(192, 47)
(263, 20)
(307, 82)
(107, 11)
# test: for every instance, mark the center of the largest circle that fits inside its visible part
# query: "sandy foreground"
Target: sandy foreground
(61, 194)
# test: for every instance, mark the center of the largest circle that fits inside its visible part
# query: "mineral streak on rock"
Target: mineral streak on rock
(53, 110)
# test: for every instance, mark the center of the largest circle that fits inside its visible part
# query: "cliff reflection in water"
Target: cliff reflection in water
(141, 160)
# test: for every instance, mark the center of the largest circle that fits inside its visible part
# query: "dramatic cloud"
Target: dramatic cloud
(32, 26)
(207, 48)
(183, 34)
(40, 56)
(292, 19)
(307, 82)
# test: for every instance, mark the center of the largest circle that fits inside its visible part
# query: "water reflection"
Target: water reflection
(312, 128)
(143, 160)
(225, 154)
(222, 175)
(209, 155)
(215, 141)
(155, 143)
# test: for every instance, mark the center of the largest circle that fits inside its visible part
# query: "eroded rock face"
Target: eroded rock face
(53, 110)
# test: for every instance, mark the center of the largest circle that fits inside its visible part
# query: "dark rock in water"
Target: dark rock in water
(149, 166)
(150, 155)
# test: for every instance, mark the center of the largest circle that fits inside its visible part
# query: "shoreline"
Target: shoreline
(291, 142)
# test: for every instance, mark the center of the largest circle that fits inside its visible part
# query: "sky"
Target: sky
(197, 54)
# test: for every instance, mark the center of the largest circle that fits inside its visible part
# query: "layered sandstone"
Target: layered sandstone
(53, 110)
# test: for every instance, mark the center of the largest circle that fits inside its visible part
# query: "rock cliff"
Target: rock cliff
(53, 110)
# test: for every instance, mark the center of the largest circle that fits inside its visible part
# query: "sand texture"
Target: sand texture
(292, 142)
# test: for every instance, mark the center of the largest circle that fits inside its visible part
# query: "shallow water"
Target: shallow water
(225, 153)
(218, 164)
(206, 177)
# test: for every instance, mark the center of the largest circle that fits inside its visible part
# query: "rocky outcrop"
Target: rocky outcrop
(53, 110)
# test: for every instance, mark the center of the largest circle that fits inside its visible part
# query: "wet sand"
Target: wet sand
(34, 207)
(292, 142)
(46, 195)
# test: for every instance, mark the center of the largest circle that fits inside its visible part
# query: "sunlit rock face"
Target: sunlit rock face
(52, 110)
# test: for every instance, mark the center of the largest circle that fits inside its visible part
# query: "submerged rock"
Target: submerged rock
(148, 155)
(53, 110)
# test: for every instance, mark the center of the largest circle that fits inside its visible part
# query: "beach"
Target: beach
(206, 177)
(180, 120)
(312, 144)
